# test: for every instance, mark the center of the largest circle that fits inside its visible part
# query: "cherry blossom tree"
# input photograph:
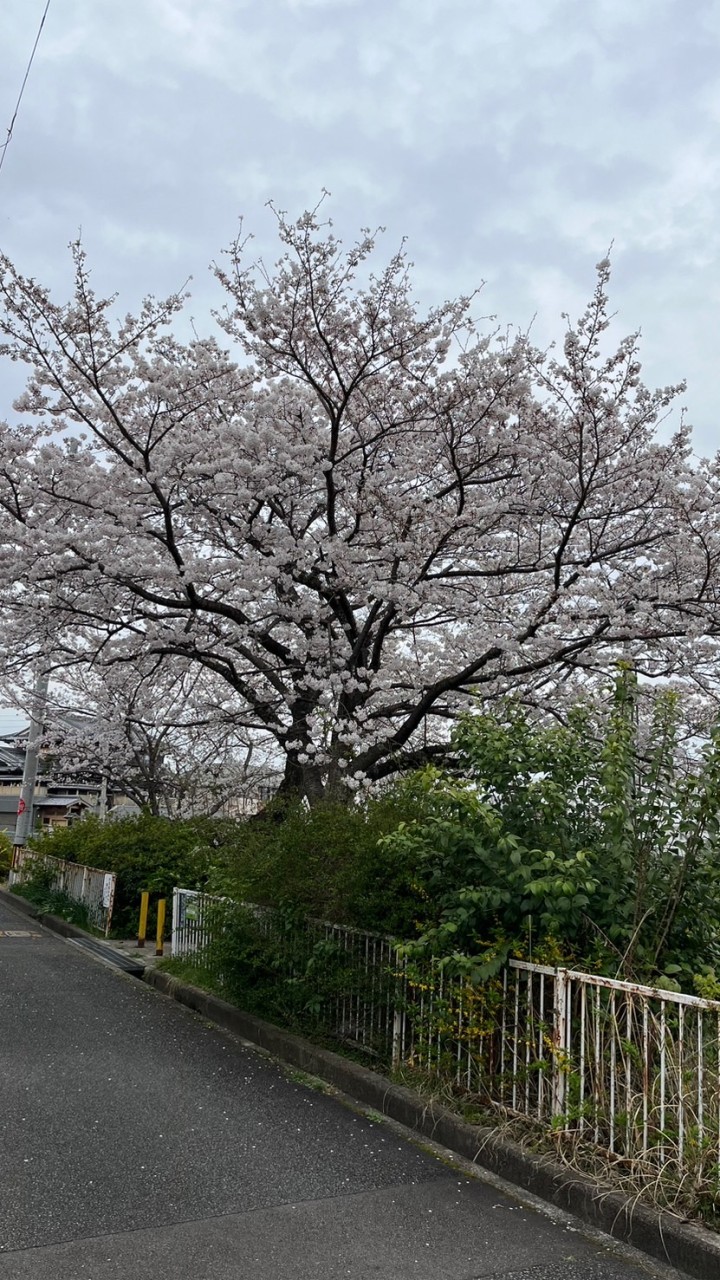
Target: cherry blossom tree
(160, 732)
(357, 515)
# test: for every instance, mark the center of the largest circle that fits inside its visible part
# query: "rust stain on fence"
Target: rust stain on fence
(90, 886)
(632, 1069)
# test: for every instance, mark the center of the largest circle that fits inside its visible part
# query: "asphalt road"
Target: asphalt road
(136, 1139)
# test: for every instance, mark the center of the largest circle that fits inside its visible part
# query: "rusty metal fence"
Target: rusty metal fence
(632, 1070)
(361, 1002)
(92, 888)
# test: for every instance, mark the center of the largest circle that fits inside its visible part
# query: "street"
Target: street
(137, 1139)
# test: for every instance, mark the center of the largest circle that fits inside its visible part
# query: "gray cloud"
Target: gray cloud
(510, 143)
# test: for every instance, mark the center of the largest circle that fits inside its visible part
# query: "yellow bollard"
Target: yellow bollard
(142, 929)
(160, 927)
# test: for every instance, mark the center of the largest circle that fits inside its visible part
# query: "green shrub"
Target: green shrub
(328, 862)
(145, 852)
(6, 851)
(594, 841)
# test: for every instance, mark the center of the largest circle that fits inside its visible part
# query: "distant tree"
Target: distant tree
(373, 515)
(158, 733)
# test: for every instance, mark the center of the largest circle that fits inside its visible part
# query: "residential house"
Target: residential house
(59, 801)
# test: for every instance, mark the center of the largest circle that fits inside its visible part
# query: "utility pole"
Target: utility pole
(27, 793)
(102, 802)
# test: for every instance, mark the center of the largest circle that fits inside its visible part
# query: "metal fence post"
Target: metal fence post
(174, 940)
(398, 1016)
(560, 1040)
(398, 1031)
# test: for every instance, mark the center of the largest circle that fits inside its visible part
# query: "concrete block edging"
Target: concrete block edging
(690, 1247)
(55, 923)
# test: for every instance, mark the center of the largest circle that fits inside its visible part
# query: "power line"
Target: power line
(4, 146)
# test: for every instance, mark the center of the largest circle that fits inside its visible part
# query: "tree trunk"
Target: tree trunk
(302, 782)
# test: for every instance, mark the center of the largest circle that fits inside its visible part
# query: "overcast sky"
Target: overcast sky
(510, 143)
(10, 721)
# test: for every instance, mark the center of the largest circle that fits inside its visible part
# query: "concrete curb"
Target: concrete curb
(19, 904)
(690, 1248)
(55, 923)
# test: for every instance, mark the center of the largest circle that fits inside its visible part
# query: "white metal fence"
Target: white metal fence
(634, 1070)
(359, 972)
(93, 888)
(196, 921)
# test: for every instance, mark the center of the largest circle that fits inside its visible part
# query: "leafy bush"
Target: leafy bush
(5, 855)
(329, 861)
(144, 851)
(592, 843)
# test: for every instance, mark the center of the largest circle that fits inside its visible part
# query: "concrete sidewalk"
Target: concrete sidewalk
(145, 955)
(136, 1138)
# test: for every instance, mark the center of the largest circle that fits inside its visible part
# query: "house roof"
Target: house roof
(11, 758)
(11, 722)
(13, 741)
(9, 804)
(59, 801)
(57, 718)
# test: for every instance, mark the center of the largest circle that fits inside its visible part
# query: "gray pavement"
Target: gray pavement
(136, 1139)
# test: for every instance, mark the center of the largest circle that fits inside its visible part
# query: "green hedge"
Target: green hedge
(5, 855)
(329, 862)
(145, 852)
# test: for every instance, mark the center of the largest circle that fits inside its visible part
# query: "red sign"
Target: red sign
(22, 806)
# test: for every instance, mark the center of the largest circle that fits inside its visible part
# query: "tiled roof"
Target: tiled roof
(51, 801)
(9, 804)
